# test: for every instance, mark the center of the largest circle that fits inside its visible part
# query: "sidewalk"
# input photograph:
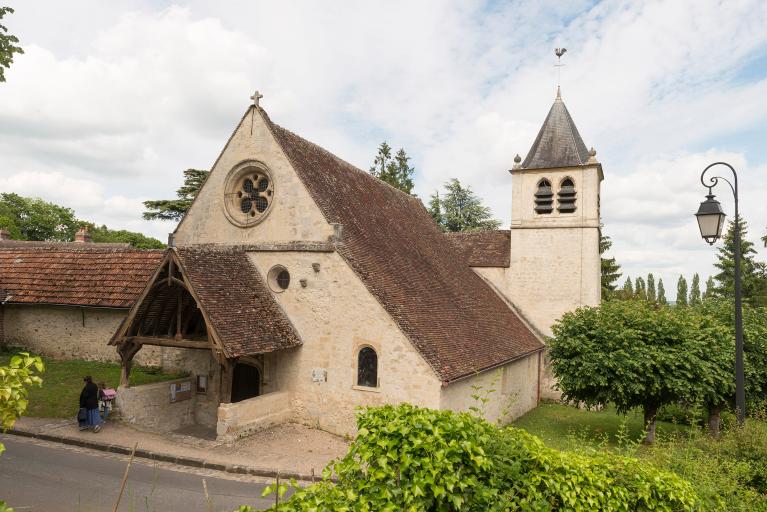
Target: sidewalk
(290, 449)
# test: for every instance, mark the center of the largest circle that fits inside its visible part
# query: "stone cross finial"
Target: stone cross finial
(256, 96)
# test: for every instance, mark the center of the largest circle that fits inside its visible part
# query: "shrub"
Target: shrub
(414, 459)
(729, 473)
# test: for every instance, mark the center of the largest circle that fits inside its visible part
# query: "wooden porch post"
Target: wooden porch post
(227, 375)
(126, 350)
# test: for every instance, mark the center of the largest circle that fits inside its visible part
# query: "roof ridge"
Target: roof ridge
(350, 165)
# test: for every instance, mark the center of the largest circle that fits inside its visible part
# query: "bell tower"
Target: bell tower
(555, 261)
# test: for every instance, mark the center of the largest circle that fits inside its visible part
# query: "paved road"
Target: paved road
(46, 477)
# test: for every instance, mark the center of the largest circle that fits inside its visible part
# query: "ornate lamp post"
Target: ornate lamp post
(710, 221)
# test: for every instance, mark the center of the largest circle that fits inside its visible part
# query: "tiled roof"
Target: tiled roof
(484, 248)
(74, 274)
(458, 324)
(558, 143)
(238, 303)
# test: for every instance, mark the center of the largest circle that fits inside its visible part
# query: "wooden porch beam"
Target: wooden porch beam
(170, 342)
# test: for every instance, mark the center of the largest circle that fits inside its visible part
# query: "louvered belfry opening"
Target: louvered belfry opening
(544, 197)
(566, 196)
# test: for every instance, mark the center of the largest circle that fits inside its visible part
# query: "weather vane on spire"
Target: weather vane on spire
(559, 52)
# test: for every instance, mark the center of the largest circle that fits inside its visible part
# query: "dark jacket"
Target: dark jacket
(89, 396)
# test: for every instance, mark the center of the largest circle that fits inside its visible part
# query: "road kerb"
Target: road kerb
(162, 457)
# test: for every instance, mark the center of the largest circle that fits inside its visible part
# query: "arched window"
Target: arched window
(544, 197)
(566, 196)
(367, 368)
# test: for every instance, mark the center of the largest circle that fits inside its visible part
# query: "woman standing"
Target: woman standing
(89, 399)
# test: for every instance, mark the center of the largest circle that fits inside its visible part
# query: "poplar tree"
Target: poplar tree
(710, 288)
(651, 295)
(681, 291)
(661, 293)
(640, 290)
(695, 290)
(628, 289)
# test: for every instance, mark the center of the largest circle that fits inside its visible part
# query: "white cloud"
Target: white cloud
(115, 114)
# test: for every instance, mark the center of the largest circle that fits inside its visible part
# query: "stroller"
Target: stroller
(106, 401)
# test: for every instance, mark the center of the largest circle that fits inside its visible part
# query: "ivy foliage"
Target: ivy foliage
(406, 458)
(15, 379)
(638, 354)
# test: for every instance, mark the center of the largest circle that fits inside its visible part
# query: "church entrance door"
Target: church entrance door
(246, 382)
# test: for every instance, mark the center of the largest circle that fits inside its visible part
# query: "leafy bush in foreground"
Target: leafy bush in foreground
(406, 458)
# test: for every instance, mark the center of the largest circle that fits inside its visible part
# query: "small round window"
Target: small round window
(249, 193)
(278, 278)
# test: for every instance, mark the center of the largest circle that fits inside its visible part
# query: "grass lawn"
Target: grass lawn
(565, 427)
(63, 380)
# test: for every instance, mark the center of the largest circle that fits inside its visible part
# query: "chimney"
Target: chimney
(82, 236)
(5, 234)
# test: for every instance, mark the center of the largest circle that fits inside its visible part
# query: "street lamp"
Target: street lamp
(710, 221)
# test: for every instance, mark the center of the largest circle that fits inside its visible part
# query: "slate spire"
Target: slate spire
(558, 143)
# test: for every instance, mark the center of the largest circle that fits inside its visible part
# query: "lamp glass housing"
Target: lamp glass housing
(710, 219)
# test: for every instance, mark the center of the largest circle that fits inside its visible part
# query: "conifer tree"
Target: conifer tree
(640, 289)
(695, 290)
(610, 268)
(681, 291)
(651, 287)
(753, 273)
(394, 171)
(175, 209)
(459, 209)
(661, 293)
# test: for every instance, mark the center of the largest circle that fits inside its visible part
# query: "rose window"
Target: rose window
(249, 194)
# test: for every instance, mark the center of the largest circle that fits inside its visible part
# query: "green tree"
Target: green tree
(175, 209)
(710, 288)
(754, 345)
(695, 290)
(628, 289)
(102, 234)
(637, 354)
(15, 380)
(681, 291)
(35, 219)
(753, 273)
(640, 289)
(394, 171)
(435, 209)
(8, 44)
(651, 293)
(661, 293)
(460, 209)
(610, 268)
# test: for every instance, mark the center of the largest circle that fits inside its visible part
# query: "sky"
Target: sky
(111, 101)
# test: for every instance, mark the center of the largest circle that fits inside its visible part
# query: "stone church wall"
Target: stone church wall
(515, 385)
(336, 316)
(69, 332)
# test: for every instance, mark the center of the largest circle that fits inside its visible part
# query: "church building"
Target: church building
(299, 287)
